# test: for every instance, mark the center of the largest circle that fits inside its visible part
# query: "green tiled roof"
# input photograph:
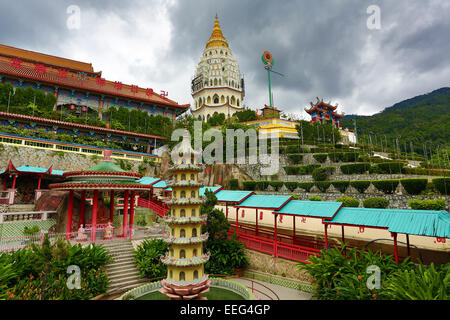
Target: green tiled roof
(106, 166)
(419, 222)
(148, 180)
(319, 209)
(160, 184)
(232, 195)
(27, 168)
(201, 191)
(264, 201)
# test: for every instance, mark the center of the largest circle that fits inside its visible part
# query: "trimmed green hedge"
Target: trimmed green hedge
(376, 202)
(390, 167)
(320, 157)
(291, 185)
(291, 149)
(414, 186)
(386, 186)
(234, 184)
(341, 185)
(262, 185)
(426, 172)
(321, 174)
(296, 157)
(343, 156)
(427, 204)
(305, 185)
(301, 170)
(360, 185)
(276, 184)
(315, 198)
(323, 185)
(355, 168)
(442, 185)
(249, 185)
(348, 201)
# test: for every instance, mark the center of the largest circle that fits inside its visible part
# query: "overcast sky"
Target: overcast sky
(324, 48)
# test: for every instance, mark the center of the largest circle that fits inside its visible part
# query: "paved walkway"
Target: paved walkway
(282, 292)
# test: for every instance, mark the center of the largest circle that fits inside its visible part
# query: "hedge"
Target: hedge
(276, 184)
(320, 157)
(321, 174)
(296, 157)
(427, 172)
(305, 185)
(249, 185)
(355, 168)
(376, 202)
(386, 186)
(291, 185)
(360, 185)
(341, 185)
(262, 185)
(414, 186)
(301, 170)
(427, 204)
(290, 149)
(348, 201)
(234, 184)
(343, 156)
(442, 185)
(315, 198)
(323, 185)
(390, 167)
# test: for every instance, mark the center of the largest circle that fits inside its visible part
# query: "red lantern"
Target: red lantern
(72, 107)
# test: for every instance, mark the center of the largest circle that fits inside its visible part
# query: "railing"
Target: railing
(7, 196)
(283, 250)
(25, 216)
(157, 209)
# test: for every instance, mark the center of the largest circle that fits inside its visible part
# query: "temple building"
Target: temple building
(78, 88)
(218, 86)
(186, 279)
(323, 112)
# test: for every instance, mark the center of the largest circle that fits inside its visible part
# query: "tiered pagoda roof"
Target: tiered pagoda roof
(322, 106)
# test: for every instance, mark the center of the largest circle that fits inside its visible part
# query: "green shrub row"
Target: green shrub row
(376, 202)
(387, 167)
(427, 204)
(343, 156)
(301, 170)
(426, 172)
(322, 173)
(296, 157)
(355, 168)
(320, 157)
(442, 185)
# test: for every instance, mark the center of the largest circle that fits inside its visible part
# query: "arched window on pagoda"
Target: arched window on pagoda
(194, 232)
(193, 194)
(182, 213)
(182, 233)
(195, 274)
(193, 213)
(222, 99)
(171, 252)
(183, 177)
(237, 102)
(183, 194)
(171, 274)
(216, 99)
(194, 252)
(192, 175)
(174, 193)
(182, 277)
(215, 82)
(182, 254)
(173, 232)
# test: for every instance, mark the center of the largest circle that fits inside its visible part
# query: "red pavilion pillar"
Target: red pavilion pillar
(4, 184)
(39, 182)
(69, 215)
(293, 233)
(125, 213)
(275, 236)
(82, 208)
(395, 247)
(256, 222)
(94, 215)
(133, 194)
(326, 235)
(111, 206)
(14, 182)
(237, 220)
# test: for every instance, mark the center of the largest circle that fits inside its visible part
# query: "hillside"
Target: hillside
(424, 118)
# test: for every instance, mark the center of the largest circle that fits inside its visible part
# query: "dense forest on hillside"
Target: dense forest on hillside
(422, 122)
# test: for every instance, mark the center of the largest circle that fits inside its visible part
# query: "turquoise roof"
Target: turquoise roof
(264, 201)
(429, 223)
(201, 191)
(147, 180)
(232, 195)
(27, 168)
(160, 184)
(57, 172)
(319, 209)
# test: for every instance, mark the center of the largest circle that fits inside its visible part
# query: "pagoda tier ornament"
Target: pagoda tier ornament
(185, 260)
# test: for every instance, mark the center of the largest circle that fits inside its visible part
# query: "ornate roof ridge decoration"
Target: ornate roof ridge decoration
(101, 173)
(93, 186)
(185, 166)
(186, 201)
(76, 125)
(184, 220)
(185, 183)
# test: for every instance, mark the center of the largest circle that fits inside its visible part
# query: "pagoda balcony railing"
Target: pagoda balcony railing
(185, 240)
(181, 201)
(184, 220)
(184, 262)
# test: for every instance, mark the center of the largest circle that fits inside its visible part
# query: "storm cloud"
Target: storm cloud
(324, 48)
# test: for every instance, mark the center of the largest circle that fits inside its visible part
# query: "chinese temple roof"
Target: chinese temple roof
(217, 38)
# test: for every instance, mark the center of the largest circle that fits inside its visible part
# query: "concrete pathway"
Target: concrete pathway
(282, 292)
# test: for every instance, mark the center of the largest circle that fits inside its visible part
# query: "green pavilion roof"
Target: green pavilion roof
(429, 223)
(107, 166)
(264, 201)
(148, 180)
(201, 191)
(318, 209)
(232, 195)
(160, 184)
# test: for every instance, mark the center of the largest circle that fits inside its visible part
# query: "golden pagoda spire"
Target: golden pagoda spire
(217, 38)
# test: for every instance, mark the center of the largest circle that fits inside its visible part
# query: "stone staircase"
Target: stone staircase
(122, 271)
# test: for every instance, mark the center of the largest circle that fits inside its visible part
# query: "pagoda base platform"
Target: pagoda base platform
(185, 292)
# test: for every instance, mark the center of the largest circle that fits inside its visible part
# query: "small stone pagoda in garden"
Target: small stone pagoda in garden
(186, 279)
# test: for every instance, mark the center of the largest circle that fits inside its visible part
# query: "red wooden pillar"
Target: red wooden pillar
(326, 236)
(69, 215)
(125, 213)
(94, 215)
(256, 222)
(39, 183)
(343, 238)
(275, 244)
(407, 244)
(82, 209)
(237, 219)
(4, 184)
(149, 195)
(133, 194)
(14, 182)
(111, 206)
(395, 247)
(226, 204)
(293, 234)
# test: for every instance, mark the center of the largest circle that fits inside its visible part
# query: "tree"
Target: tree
(246, 115)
